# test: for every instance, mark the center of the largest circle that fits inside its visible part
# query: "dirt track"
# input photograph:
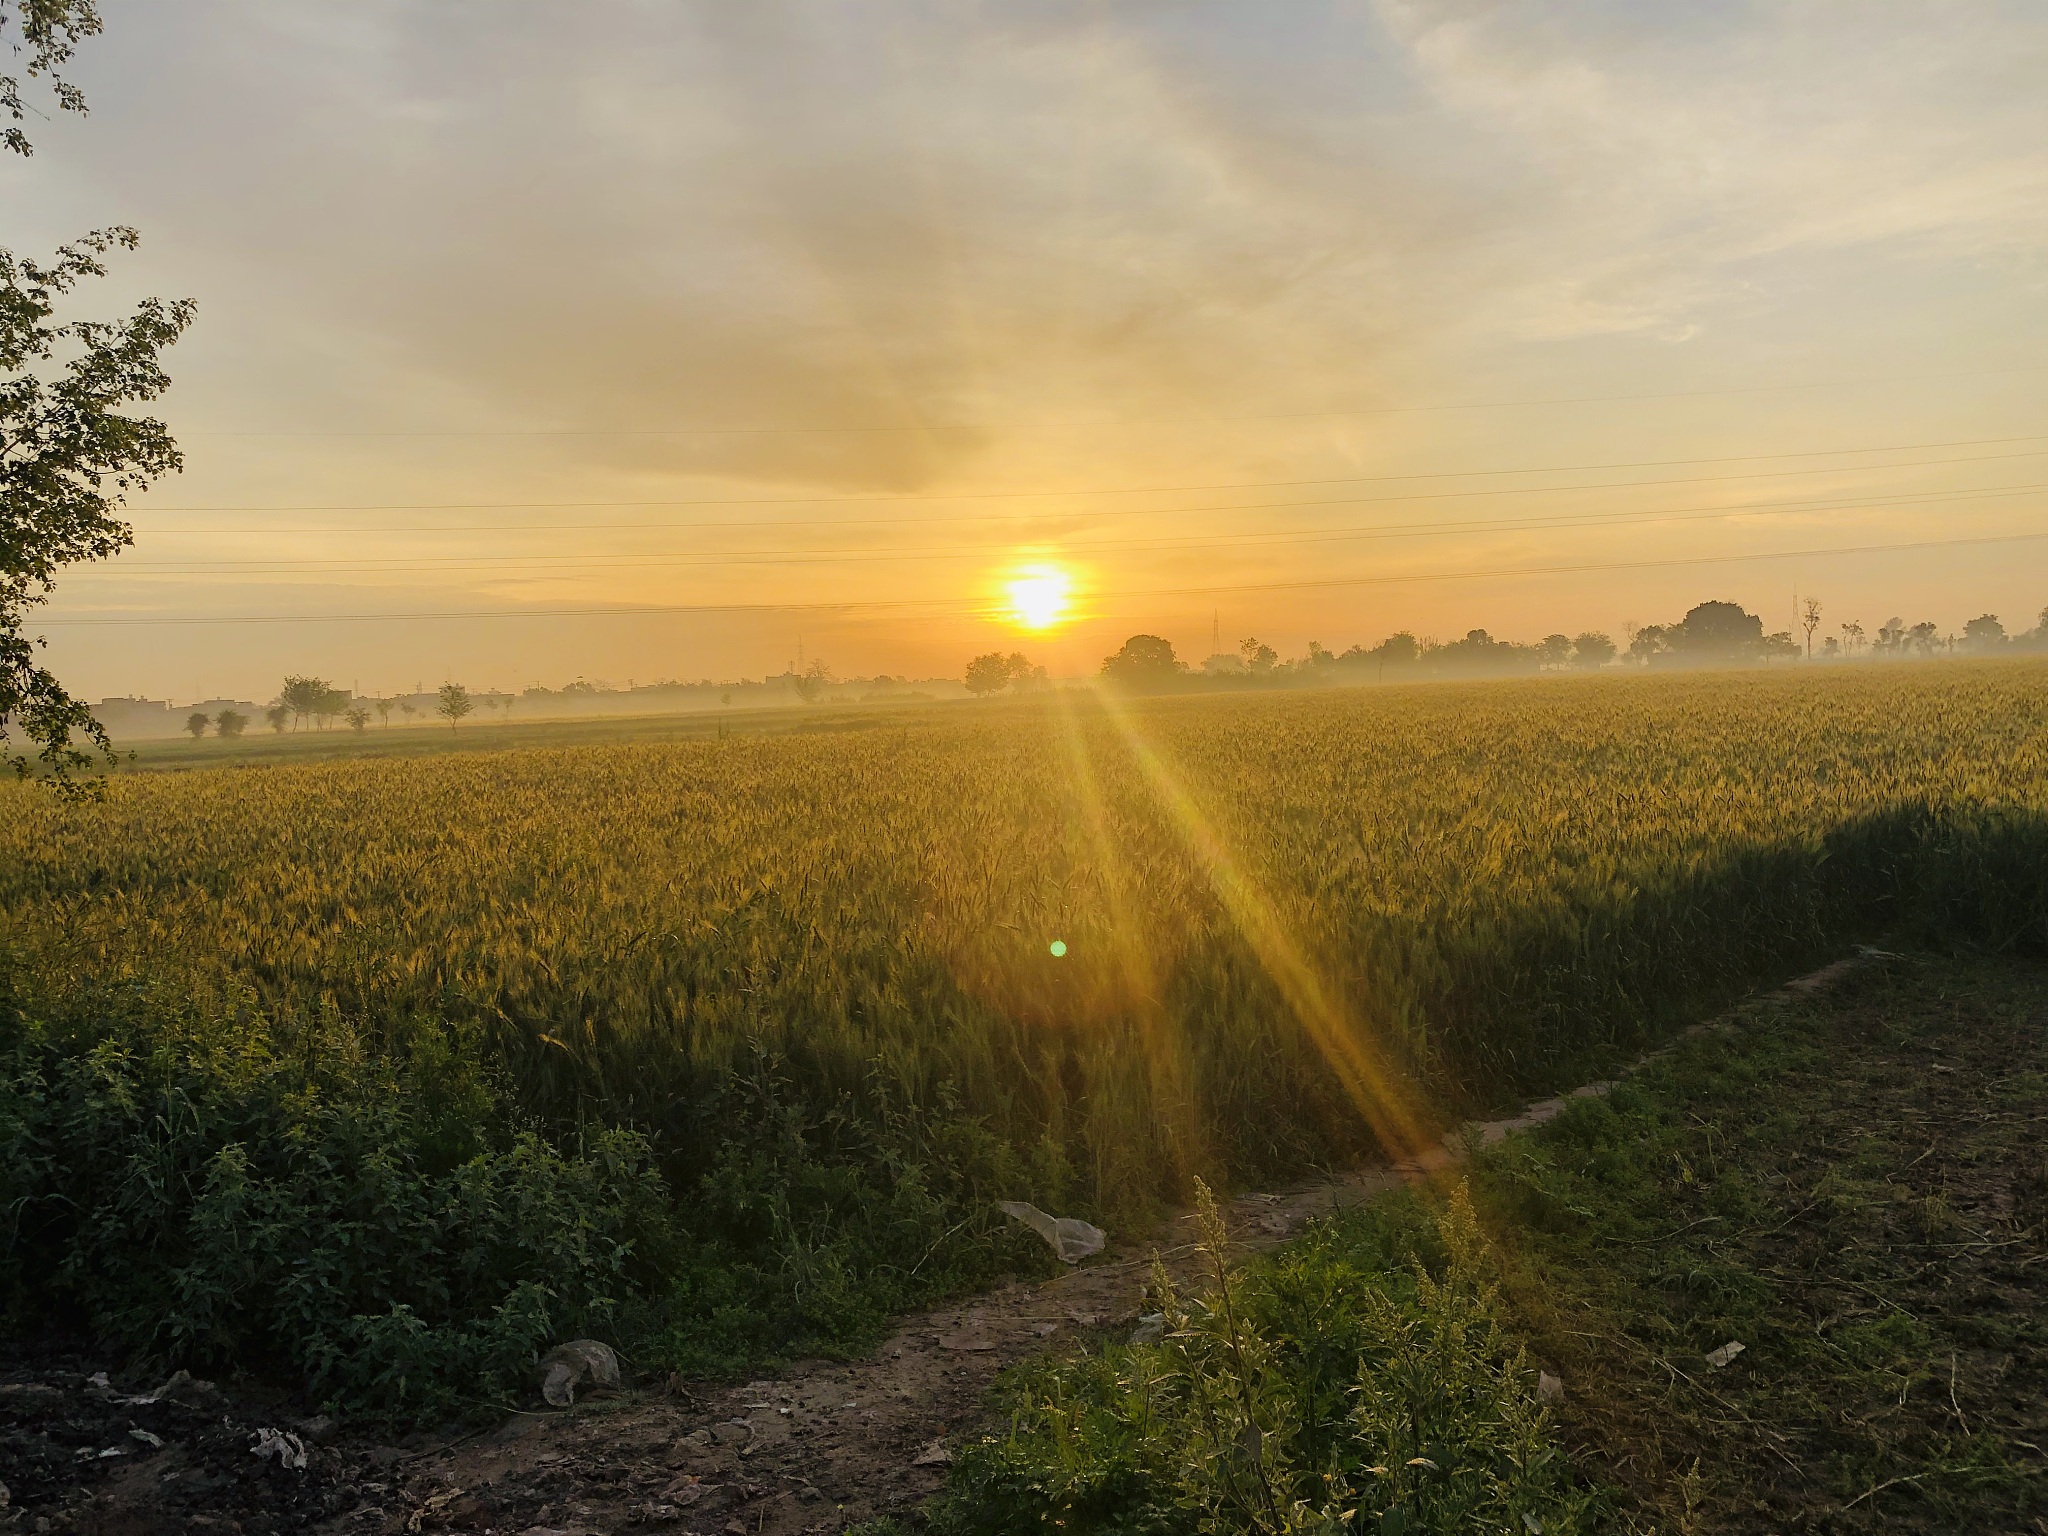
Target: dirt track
(819, 1447)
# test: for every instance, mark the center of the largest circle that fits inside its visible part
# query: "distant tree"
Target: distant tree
(1778, 647)
(1984, 634)
(1480, 652)
(1852, 637)
(812, 683)
(303, 696)
(407, 708)
(358, 718)
(1023, 674)
(1145, 664)
(1923, 639)
(1715, 631)
(1831, 649)
(454, 703)
(335, 701)
(1592, 651)
(196, 723)
(384, 708)
(279, 716)
(988, 674)
(1399, 649)
(1809, 620)
(1259, 658)
(1648, 642)
(1891, 637)
(230, 723)
(1554, 652)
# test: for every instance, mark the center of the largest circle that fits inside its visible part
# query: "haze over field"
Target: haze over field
(665, 335)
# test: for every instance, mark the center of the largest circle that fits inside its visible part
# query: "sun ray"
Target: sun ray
(1168, 1066)
(1380, 1093)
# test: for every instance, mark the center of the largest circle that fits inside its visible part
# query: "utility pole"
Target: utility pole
(1216, 632)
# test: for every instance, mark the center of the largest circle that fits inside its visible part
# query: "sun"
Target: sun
(1038, 597)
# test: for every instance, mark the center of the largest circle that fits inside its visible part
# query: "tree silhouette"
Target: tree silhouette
(196, 723)
(1592, 650)
(303, 696)
(455, 702)
(1145, 664)
(988, 674)
(1809, 620)
(230, 723)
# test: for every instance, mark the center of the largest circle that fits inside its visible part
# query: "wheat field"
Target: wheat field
(1273, 911)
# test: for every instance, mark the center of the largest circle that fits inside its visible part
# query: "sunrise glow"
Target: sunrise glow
(1038, 597)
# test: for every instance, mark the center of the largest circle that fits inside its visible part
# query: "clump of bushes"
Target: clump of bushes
(199, 1184)
(1359, 1381)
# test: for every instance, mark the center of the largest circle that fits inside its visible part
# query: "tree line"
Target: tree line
(1712, 633)
(315, 700)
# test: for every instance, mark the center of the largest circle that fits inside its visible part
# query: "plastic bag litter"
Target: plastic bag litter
(1549, 1389)
(1071, 1239)
(1151, 1328)
(1726, 1354)
(567, 1366)
(287, 1448)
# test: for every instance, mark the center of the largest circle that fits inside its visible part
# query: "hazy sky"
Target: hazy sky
(812, 320)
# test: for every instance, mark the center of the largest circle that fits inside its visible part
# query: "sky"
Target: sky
(641, 339)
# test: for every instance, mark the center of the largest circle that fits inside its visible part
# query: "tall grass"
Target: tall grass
(838, 945)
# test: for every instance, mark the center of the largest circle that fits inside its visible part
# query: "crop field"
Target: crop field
(381, 1070)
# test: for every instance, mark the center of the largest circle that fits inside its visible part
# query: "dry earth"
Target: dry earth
(815, 1449)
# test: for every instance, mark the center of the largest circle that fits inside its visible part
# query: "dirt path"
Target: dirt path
(817, 1448)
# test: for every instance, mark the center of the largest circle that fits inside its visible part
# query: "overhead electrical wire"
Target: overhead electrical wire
(1131, 490)
(455, 564)
(657, 610)
(1121, 423)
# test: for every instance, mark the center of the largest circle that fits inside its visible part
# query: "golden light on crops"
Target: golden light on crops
(1038, 597)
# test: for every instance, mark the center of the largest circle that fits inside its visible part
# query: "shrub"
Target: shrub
(1360, 1381)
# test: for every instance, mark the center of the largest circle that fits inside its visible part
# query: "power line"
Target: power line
(1120, 423)
(655, 610)
(1129, 490)
(1123, 513)
(455, 564)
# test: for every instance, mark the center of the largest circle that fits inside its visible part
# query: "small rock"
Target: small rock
(567, 1366)
(1548, 1388)
(1726, 1354)
(154, 1442)
(933, 1455)
(1150, 1330)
